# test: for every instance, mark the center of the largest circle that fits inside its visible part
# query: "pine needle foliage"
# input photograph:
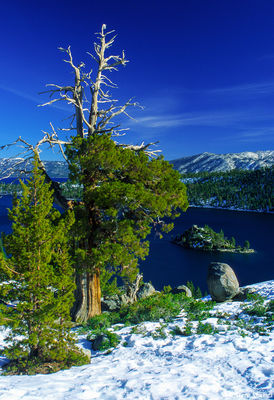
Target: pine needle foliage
(39, 279)
(126, 194)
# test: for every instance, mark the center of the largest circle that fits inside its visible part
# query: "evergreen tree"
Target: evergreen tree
(246, 245)
(2, 247)
(125, 195)
(233, 242)
(237, 188)
(39, 279)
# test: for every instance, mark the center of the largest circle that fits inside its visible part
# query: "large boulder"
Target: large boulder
(222, 282)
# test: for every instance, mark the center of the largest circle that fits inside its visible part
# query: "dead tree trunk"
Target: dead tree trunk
(133, 287)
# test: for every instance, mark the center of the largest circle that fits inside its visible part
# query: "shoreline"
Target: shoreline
(201, 206)
(220, 250)
(231, 209)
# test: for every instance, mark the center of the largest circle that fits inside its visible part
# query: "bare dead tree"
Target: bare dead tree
(94, 111)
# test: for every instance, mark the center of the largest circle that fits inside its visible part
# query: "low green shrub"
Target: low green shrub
(205, 329)
(36, 365)
(139, 330)
(187, 331)
(153, 308)
(104, 340)
(270, 306)
(99, 322)
(198, 310)
(258, 308)
(161, 306)
(159, 332)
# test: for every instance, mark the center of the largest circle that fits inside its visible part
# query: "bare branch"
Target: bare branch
(142, 147)
(54, 140)
(112, 113)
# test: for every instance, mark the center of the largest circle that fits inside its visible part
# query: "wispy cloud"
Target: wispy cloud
(172, 95)
(26, 96)
(207, 118)
(257, 135)
(251, 89)
(21, 94)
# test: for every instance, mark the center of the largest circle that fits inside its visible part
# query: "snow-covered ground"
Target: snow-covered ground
(226, 365)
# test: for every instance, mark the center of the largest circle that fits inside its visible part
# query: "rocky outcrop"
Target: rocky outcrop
(145, 290)
(192, 238)
(222, 282)
(115, 301)
(111, 303)
(182, 289)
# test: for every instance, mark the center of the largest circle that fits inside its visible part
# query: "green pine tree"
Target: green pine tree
(233, 242)
(39, 280)
(125, 194)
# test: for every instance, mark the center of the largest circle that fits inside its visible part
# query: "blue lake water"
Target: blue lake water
(169, 264)
(174, 265)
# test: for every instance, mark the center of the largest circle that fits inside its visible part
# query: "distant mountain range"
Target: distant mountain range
(198, 163)
(13, 167)
(210, 162)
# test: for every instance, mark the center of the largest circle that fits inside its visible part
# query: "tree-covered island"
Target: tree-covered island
(206, 239)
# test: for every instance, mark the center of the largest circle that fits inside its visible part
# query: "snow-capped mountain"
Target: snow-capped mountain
(15, 167)
(210, 162)
(224, 162)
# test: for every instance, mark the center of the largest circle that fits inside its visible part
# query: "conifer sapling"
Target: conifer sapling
(39, 279)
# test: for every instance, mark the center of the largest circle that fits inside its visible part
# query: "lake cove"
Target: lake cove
(169, 264)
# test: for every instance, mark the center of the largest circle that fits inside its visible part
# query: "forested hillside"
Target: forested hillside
(248, 190)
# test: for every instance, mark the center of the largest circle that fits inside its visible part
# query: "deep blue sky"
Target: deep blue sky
(203, 69)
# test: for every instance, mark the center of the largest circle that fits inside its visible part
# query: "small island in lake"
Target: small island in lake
(205, 238)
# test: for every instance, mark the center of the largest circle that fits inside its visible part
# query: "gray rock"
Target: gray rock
(145, 290)
(222, 282)
(182, 289)
(111, 303)
(87, 353)
(114, 302)
(97, 343)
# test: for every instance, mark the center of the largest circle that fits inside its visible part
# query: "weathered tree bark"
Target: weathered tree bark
(79, 308)
(133, 287)
(94, 294)
(87, 297)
